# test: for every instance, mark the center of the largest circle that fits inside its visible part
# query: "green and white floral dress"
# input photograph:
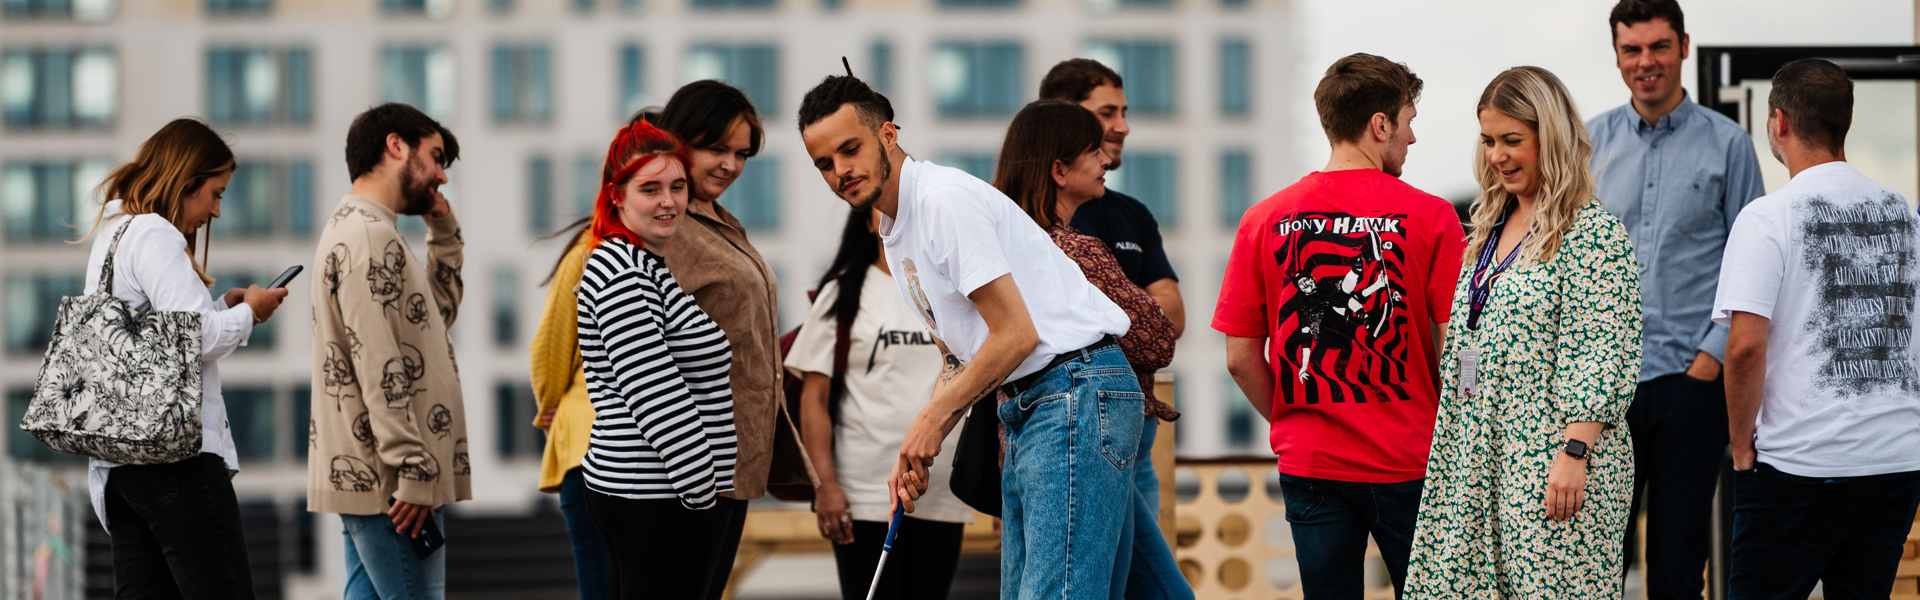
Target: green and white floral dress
(1559, 342)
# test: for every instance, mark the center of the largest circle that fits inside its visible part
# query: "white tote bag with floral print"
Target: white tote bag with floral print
(119, 384)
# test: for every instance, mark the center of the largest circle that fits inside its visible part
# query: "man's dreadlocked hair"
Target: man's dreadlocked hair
(839, 90)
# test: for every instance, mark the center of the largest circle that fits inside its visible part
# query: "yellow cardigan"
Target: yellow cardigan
(559, 376)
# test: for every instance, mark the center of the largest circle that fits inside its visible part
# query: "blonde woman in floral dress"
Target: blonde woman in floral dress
(1531, 469)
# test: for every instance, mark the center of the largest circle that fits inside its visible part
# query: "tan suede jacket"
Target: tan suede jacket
(713, 261)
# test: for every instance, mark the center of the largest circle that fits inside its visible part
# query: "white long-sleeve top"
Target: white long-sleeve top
(152, 271)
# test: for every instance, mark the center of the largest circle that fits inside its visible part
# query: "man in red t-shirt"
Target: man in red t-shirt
(1333, 303)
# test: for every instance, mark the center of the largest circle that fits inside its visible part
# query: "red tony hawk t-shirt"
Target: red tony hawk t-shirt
(1342, 272)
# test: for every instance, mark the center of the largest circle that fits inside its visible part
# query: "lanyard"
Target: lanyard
(1480, 290)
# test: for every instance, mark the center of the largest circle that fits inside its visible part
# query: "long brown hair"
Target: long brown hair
(1536, 97)
(171, 165)
(1043, 132)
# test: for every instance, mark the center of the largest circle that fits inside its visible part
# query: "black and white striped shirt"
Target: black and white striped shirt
(657, 375)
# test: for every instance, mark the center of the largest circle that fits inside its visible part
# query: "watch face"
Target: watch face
(1576, 449)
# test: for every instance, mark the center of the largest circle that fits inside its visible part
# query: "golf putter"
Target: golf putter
(886, 548)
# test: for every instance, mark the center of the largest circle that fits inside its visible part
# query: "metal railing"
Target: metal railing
(43, 516)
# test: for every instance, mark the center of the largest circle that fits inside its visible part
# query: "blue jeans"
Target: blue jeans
(381, 564)
(1067, 485)
(592, 564)
(1153, 575)
(1845, 532)
(1331, 521)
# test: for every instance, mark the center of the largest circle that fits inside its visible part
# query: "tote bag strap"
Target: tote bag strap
(106, 268)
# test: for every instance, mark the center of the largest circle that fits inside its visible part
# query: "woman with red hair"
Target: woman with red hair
(662, 448)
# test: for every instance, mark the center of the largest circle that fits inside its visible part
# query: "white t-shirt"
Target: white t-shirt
(1833, 261)
(891, 367)
(954, 233)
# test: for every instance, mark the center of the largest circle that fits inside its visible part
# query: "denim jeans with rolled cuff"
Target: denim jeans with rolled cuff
(1067, 482)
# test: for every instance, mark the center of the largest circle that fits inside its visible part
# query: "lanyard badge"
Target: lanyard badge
(1469, 370)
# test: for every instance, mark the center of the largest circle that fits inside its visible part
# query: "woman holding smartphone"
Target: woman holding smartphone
(176, 526)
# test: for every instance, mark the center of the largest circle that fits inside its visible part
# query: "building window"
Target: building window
(267, 198)
(754, 68)
(540, 194)
(22, 446)
(584, 7)
(250, 413)
(1147, 68)
(1152, 178)
(586, 185)
(972, 79)
(500, 7)
(880, 73)
(262, 339)
(1236, 186)
(506, 308)
(259, 86)
(31, 304)
(712, 4)
(754, 198)
(59, 88)
(522, 84)
(1236, 78)
(979, 3)
(78, 10)
(977, 164)
(50, 202)
(303, 420)
(633, 77)
(516, 437)
(419, 76)
(438, 9)
(1244, 429)
(237, 8)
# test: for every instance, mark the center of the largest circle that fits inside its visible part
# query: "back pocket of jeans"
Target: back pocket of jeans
(1122, 414)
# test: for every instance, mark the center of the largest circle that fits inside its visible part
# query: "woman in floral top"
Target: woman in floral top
(1531, 469)
(1051, 163)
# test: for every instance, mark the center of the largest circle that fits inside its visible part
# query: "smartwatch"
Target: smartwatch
(1576, 449)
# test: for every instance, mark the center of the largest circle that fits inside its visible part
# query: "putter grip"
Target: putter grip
(893, 527)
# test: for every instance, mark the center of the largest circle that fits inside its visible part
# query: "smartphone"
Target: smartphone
(430, 539)
(285, 277)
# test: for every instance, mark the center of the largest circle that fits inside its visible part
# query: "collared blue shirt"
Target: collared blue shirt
(1677, 184)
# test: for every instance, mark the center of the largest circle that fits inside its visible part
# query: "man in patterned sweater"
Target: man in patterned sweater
(388, 439)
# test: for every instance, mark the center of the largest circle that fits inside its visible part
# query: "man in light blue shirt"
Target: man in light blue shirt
(1677, 174)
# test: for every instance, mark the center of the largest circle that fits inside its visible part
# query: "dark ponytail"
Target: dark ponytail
(858, 249)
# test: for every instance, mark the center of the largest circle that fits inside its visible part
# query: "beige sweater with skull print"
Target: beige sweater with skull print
(388, 421)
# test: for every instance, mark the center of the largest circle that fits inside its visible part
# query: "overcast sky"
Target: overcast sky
(1457, 47)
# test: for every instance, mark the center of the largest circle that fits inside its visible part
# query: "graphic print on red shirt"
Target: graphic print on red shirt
(1342, 308)
(1344, 274)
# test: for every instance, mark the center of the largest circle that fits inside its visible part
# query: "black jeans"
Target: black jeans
(1679, 427)
(1331, 521)
(660, 548)
(920, 567)
(731, 514)
(176, 531)
(1845, 532)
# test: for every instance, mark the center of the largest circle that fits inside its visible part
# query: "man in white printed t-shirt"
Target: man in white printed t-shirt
(1012, 314)
(1823, 386)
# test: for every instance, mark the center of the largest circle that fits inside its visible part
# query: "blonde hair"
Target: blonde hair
(1535, 96)
(173, 164)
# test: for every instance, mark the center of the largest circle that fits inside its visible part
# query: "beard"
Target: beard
(885, 174)
(417, 194)
(1113, 157)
